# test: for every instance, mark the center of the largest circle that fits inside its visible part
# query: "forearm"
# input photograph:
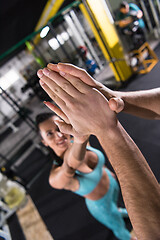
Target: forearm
(76, 154)
(63, 176)
(143, 104)
(139, 187)
(59, 178)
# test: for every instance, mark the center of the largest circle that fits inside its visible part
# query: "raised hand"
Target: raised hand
(64, 124)
(116, 104)
(85, 107)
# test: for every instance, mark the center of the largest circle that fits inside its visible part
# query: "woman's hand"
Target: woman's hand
(64, 125)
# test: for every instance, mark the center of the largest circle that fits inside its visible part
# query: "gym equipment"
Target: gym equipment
(4, 235)
(151, 10)
(12, 197)
(106, 36)
(146, 59)
(21, 111)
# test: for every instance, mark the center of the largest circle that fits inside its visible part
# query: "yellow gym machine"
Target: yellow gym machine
(102, 25)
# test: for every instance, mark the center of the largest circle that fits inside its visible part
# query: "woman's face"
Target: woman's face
(52, 137)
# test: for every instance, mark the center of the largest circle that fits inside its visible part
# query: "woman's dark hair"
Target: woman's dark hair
(39, 119)
(43, 117)
(124, 4)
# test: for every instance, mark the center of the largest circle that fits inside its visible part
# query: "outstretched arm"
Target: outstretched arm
(139, 187)
(76, 153)
(143, 104)
(63, 177)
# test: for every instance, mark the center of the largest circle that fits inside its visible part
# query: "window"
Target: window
(8, 79)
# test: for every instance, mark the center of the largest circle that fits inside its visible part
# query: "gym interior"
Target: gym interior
(83, 33)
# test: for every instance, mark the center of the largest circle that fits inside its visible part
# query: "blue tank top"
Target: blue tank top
(88, 181)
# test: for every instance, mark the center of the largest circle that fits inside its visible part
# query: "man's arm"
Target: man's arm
(139, 187)
(125, 22)
(134, 7)
(143, 103)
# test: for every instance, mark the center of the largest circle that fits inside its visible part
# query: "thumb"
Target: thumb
(116, 104)
(64, 127)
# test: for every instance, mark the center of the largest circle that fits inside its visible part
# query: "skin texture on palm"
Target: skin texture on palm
(79, 102)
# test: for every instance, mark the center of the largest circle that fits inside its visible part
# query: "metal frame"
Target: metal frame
(147, 64)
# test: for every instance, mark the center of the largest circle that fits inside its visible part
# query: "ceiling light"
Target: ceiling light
(65, 36)
(44, 32)
(60, 39)
(53, 43)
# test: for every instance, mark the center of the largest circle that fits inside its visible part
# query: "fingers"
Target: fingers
(72, 86)
(74, 71)
(53, 67)
(116, 104)
(76, 82)
(59, 85)
(56, 93)
(57, 110)
(51, 94)
(64, 127)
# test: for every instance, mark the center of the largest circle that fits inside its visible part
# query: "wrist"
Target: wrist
(108, 93)
(81, 140)
(108, 132)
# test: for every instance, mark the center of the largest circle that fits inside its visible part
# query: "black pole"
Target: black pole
(4, 158)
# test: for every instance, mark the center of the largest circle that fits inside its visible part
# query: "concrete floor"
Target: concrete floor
(32, 223)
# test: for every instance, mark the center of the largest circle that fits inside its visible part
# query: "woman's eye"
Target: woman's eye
(49, 134)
